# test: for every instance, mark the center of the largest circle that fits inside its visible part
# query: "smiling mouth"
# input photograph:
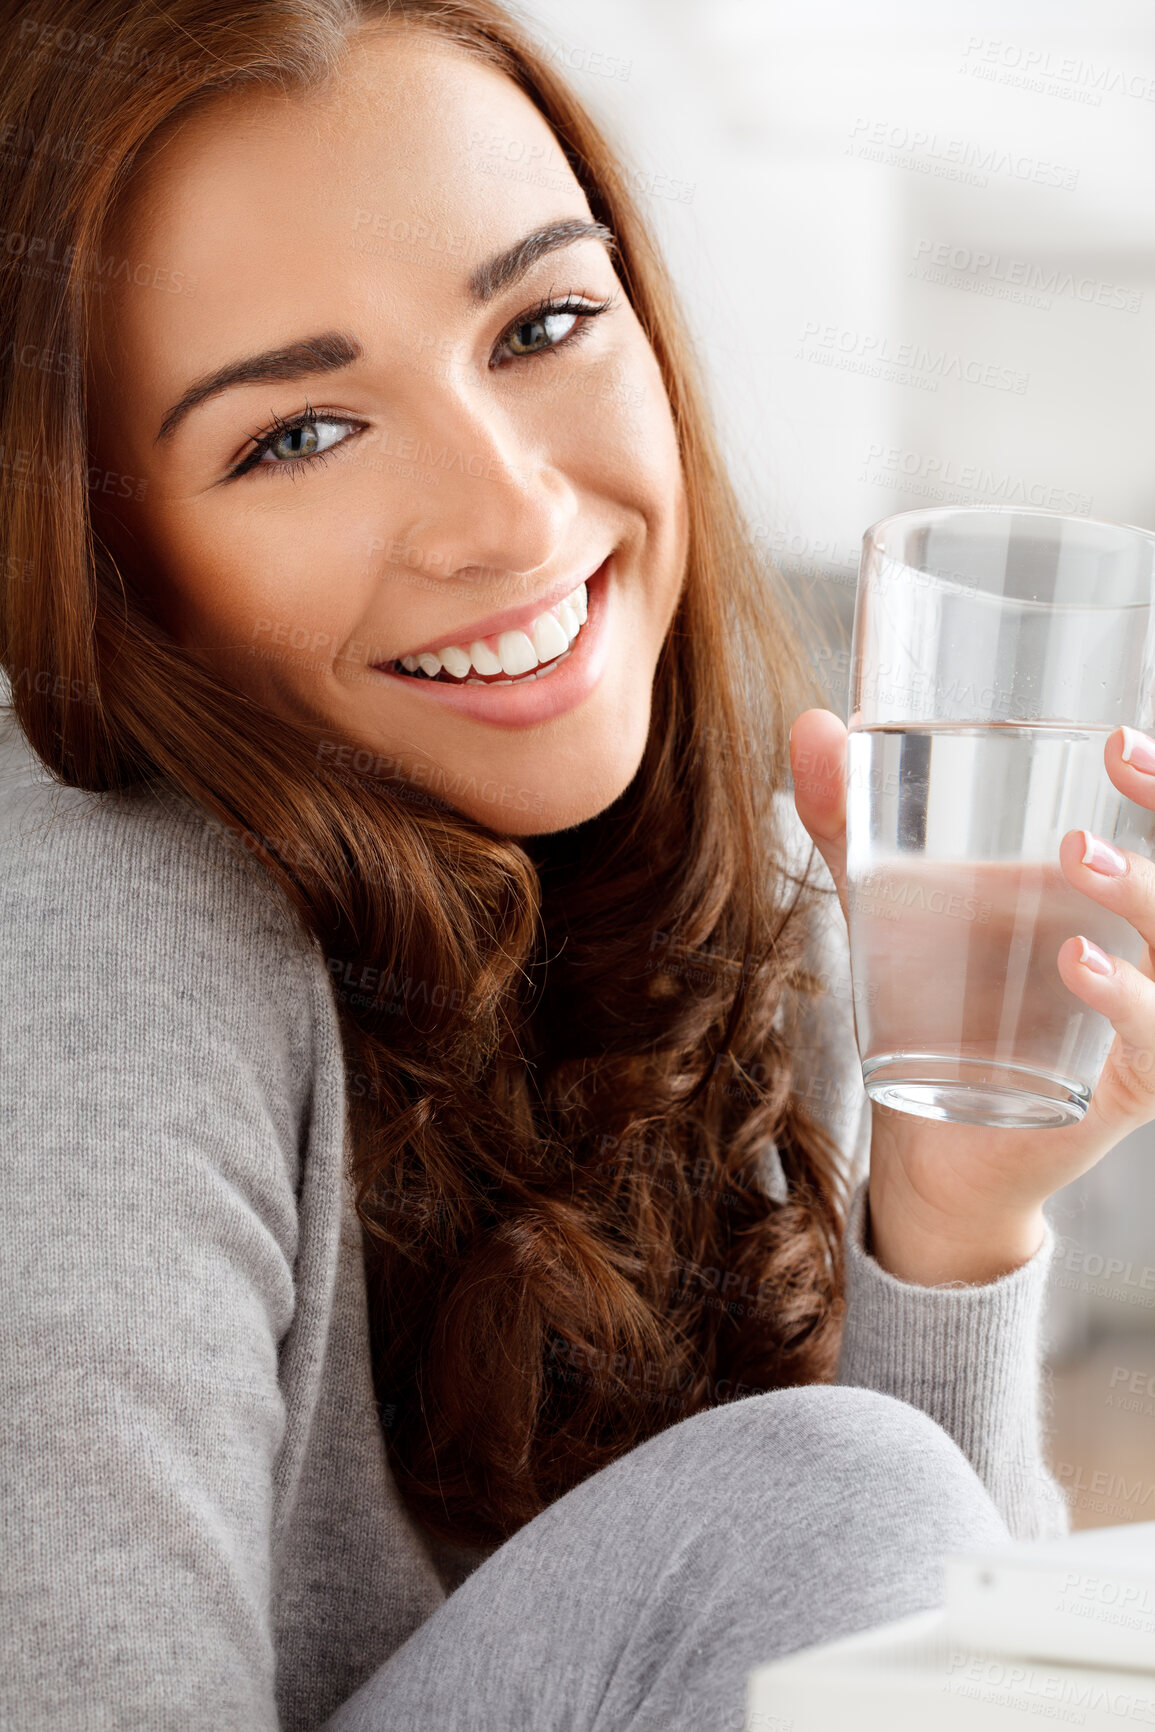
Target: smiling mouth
(507, 658)
(475, 679)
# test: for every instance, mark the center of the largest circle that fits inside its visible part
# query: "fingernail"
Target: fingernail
(1138, 750)
(1101, 857)
(1095, 959)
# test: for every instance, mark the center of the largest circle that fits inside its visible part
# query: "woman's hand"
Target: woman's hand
(964, 1202)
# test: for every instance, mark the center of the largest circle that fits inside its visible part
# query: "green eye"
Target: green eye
(289, 447)
(300, 441)
(536, 334)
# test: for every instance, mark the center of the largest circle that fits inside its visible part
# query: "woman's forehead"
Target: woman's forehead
(370, 200)
(406, 115)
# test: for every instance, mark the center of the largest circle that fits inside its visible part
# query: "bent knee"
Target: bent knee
(827, 1418)
(839, 1416)
(825, 1440)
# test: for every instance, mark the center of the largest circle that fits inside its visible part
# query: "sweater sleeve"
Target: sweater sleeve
(968, 1355)
(152, 1084)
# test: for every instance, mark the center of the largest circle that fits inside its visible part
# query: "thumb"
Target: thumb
(818, 766)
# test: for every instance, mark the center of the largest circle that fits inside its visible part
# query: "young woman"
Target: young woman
(442, 1286)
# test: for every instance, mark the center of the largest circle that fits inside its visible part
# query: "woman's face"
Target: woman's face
(473, 458)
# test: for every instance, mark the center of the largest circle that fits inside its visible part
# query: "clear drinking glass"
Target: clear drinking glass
(993, 652)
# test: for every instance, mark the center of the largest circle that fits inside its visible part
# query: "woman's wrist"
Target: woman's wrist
(918, 1243)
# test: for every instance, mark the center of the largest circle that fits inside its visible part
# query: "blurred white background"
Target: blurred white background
(916, 245)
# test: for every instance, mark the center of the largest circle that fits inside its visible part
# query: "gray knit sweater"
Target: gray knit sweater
(200, 1525)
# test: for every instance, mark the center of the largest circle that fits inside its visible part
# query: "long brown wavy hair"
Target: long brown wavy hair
(562, 1089)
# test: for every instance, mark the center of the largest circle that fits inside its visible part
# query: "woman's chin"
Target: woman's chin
(557, 803)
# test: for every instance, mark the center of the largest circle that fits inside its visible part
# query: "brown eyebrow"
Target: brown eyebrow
(332, 350)
(323, 354)
(497, 273)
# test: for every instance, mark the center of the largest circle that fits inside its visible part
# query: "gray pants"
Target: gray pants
(640, 1600)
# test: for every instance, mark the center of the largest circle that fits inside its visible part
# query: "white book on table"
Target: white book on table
(910, 1676)
(1087, 1598)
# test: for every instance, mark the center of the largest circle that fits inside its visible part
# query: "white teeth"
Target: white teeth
(483, 658)
(549, 635)
(455, 660)
(517, 652)
(550, 638)
(570, 622)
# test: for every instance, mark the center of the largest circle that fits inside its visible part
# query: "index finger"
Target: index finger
(818, 766)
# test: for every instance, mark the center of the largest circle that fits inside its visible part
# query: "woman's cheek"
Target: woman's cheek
(646, 438)
(619, 429)
(244, 585)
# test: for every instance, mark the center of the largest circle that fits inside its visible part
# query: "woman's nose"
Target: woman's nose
(502, 503)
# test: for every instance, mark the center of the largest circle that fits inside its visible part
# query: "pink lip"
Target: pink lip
(513, 619)
(525, 702)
